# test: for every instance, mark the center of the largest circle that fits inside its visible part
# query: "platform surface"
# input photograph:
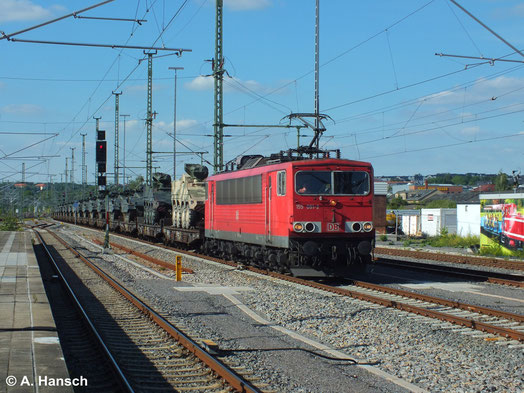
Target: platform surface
(30, 351)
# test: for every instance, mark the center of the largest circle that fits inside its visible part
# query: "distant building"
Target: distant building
(485, 188)
(396, 187)
(40, 186)
(379, 206)
(445, 188)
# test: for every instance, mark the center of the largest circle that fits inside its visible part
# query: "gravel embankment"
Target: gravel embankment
(417, 350)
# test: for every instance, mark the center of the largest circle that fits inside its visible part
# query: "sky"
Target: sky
(392, 101)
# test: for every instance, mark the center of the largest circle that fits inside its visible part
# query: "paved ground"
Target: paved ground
(31, 358)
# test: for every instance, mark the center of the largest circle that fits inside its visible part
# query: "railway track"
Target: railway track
(83, 355)
(470, 274)
(463, 315)
(146, 351)
(454, 258)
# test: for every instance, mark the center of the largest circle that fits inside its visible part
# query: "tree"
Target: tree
(441, 203)
(137, 183)
(501, 182)
(396, 203)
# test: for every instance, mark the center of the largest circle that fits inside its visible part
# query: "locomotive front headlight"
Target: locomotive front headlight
(356, 227)
(310, 227)
(298, 227)
(368, 226)
(332, 202)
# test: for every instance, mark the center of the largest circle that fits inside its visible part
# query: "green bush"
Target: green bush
(495, 250)
(9, 223)
(453, 240)
(383, 238)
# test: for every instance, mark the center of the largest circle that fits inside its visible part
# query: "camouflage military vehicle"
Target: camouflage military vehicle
(188, 196)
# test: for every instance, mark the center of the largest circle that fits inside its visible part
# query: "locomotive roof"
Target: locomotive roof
(272, 166)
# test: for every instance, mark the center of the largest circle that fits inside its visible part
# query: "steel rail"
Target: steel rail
(148, 258)
(230, 376)
(440, 301)
(514, 334)
(395, 304)
(492, 277)
(112, 360)
(453, 258)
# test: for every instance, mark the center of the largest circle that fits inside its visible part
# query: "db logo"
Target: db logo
(333, 227)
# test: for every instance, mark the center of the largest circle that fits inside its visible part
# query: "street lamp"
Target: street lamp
(174, 123)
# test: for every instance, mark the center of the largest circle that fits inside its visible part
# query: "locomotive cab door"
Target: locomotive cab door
(211, 205)
(267, 204)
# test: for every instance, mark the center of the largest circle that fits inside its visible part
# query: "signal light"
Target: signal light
(101, 180)
(101, 151)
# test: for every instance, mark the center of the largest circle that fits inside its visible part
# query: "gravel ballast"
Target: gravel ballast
(417, 350)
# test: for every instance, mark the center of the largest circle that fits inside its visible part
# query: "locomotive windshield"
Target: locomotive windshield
(332, 183)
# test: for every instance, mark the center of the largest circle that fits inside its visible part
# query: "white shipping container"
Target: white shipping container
(410, 224)
(468, 219)
(433, 220)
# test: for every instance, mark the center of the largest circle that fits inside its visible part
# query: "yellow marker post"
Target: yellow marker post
(178, 264)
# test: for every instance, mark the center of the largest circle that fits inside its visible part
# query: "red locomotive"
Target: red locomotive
(309, 217)
(512, 234)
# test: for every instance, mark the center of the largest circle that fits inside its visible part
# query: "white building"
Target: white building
(433, 220)
(468, 219)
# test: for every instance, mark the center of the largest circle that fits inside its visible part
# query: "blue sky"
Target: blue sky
(392, 101)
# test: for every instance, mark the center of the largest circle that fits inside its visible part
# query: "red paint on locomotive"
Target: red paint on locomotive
(269, 214)
(512, 226)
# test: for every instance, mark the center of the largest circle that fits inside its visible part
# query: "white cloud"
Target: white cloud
(22, 109)
(470, 130)
(200, 83)
(245, 5)
(23, 10)
(518, 10)
(203, 83)
(185, 124)
(482, 90)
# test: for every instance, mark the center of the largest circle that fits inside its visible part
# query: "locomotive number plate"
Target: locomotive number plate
(333, 227)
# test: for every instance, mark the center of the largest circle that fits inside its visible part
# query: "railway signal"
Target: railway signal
(101, 152)
(101, 165)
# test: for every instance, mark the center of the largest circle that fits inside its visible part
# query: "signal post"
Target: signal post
(101, 167)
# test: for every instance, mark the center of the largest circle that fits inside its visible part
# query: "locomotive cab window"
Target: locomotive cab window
(332, 183)
(351, 183)
(281, 183)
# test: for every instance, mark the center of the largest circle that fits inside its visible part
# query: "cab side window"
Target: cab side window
(281, 183)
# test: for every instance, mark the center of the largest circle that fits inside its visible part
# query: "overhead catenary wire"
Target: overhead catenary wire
(518, 134)
(468, 84)
(9, 36)
(439, 127)
(487, 28)
(417, 116)
(389, 27)
(130, 73)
